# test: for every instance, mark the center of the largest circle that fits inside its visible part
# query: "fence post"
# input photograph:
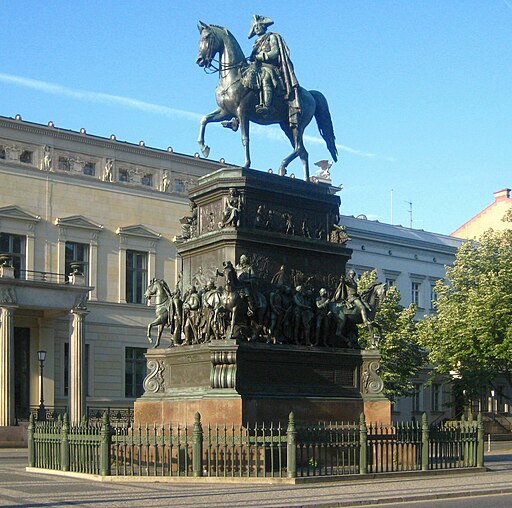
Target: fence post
(64, 444)
(105, 446)
(30, 439)
(424, 442)
(291, 447)
(480, 443)
(197, 447)
(363, 445)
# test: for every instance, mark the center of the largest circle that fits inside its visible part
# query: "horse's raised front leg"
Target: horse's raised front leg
(215, 116)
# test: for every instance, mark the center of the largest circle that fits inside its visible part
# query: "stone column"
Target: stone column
(77, 389)
(7, 366)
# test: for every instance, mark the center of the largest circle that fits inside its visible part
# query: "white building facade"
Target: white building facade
(85, 223)
(412, 260)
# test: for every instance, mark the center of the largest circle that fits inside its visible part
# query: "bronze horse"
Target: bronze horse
(346, 318)
(237, 103)
(163, 307)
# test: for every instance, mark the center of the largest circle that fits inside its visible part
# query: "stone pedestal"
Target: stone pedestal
(282, 221)
(285, 229)
(252, 382)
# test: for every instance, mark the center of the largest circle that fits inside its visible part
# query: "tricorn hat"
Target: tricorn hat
(259, 20)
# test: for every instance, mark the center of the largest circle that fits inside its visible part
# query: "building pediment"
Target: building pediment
(78, 221)
(139, 231)
(17, 213)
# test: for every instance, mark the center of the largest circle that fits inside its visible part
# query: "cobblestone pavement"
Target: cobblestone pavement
(20, 488)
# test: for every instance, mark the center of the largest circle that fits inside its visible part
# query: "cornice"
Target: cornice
(115, 145)
(78, 221)
(138, 231)
(392, 240)
(17, 213)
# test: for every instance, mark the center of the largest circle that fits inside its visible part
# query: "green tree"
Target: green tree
(470, 336)
(402, 355)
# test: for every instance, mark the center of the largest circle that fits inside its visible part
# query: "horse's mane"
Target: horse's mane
(367, 292)
(222, 28)
(227, 32)
(165, 287)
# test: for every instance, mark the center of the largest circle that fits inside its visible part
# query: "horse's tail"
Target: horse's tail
(324, 122)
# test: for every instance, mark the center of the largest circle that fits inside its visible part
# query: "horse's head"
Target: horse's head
(151, 289)
(381, 290)
(209, 44)
(376, 292)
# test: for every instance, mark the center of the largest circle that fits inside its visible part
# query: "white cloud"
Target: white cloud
(96, 97)
(148, 107)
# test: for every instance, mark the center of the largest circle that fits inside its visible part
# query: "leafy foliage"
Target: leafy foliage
(402, 355)
(471, 334)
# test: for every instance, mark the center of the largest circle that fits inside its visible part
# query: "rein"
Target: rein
(212, 69)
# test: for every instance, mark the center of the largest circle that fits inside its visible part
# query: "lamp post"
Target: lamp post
(41, 412)
(492, 403)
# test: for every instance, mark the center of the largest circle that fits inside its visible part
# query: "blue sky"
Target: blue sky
(419, 91)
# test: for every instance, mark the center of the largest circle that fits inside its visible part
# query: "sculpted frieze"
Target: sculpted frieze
(252, 301)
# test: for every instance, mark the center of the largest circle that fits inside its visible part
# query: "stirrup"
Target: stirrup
(263, 110)
(232, 124)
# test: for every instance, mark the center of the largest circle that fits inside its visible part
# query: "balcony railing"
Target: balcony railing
(36, 276)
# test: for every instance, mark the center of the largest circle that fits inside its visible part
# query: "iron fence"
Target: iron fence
(272, 450)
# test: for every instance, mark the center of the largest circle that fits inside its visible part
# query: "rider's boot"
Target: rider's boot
(265, 109)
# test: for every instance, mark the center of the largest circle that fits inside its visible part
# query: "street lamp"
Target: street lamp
(492, 403)
(41, 412)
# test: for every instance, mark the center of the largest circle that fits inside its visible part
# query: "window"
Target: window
(26, 157)
(415, 293)
(14, 245)
(2, 152)
(391, 283)
(436, 397)
(123, 175)
(180, 186)
(416, 405)
(90, 168)
(136, 276)
(66, 369)
(64, 164)
(77, 253)
(433, 295)
(135, 371)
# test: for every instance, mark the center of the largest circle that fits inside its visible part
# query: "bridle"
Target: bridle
(211, 68)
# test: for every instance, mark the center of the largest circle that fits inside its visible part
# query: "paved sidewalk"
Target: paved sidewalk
(19, 488)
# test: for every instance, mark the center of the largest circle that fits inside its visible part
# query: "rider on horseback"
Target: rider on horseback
(347, 290)
(271, 69)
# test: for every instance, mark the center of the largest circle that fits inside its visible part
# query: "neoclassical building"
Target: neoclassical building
(85, 223)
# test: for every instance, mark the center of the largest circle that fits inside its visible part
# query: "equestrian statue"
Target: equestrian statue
(262, 89)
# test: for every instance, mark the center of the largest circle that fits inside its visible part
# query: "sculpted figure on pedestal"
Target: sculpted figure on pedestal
(232, 210)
